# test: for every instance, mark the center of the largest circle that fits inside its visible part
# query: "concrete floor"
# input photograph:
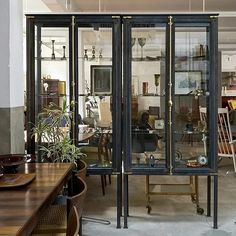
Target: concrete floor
(170, 215)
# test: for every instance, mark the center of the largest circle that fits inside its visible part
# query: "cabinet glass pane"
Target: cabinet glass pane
(95, 93)
(191, 91)
(148, 96)
(54, 74)
(52, 86)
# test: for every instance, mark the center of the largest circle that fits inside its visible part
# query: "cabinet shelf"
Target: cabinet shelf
(147, 58)
(195, 58)
(50, 59)
(149, 95)
(94, 95)
(96, 59)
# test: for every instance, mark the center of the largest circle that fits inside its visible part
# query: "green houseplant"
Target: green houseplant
(52, 134)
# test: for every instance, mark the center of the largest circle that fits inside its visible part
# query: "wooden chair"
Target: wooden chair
(226, 144)
(73, 224)
(55, 218)
(99, 156)
(81, 169)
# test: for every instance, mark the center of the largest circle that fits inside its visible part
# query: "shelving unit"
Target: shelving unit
(195, 85)
(53, 92)
(187, 189)
(57, 59)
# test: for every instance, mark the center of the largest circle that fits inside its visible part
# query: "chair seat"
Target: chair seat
(225, 148)
(53, 221)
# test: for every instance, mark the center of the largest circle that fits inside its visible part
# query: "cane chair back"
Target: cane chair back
(55, 218)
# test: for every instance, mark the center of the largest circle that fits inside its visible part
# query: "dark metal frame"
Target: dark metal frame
(73, 22)
(122, 140)
(171, 22)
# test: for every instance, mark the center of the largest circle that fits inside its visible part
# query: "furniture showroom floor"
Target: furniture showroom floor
(170, 215)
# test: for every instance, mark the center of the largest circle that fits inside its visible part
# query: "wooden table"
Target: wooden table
(21, 208)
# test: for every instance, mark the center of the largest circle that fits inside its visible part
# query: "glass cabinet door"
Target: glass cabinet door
(144, 94)
(51, 85)
(98, 91)
(194, 87)
(77, 66)
(52, 52)
(169, 74)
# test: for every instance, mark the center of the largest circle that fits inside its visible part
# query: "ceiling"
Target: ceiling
(225, 8)
(141, 5)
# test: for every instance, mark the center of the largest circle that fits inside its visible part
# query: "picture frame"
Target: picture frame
(159, 124)
(101, 79)
(187, 81)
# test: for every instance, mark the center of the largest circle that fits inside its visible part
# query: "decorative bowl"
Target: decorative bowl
(10, 162)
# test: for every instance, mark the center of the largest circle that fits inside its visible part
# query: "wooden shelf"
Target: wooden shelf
(196, 58)
(147, 58)
(50, 59)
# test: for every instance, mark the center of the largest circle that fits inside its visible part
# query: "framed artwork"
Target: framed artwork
(159, 124)
(187, 81)
(101, 80)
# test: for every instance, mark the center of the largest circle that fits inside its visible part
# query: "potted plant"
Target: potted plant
(52, 134)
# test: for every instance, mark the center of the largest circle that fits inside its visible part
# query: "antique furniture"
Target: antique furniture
(99, 155)
(188, 78)
(54, 219)
(32, 199)
(186, 189)
(226, 143)
(182, 49)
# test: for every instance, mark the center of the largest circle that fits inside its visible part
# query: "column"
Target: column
(11, 77)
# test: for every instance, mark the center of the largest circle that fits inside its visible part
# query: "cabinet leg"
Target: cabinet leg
(148, 204)
(126, 199)
(215, 225)
(200, 210)
(209, 195)
(196, 190)
(119, 200)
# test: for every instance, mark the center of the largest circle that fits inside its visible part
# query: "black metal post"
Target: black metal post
(215, 202)
(119, 200)
(208, 195)
(126, 199)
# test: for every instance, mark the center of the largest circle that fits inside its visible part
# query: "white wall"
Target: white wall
(5, 51)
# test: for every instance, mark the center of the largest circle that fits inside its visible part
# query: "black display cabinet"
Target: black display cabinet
(69, 49)
(151, 114)
(176, 72)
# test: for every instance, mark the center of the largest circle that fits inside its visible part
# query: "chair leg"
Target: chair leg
(105, 179)
(234, 163)
(109, 177)
(80, 227)
(103, 185)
